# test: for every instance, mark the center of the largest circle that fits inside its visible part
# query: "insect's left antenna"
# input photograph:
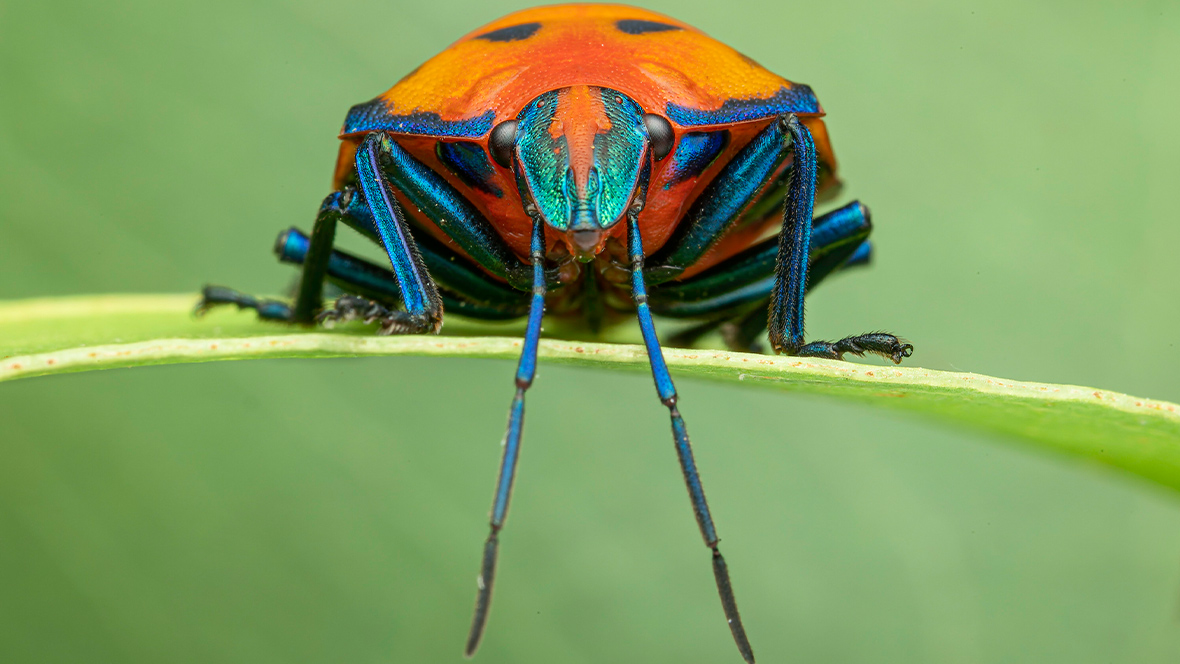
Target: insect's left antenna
(688, 466)
(525, 371)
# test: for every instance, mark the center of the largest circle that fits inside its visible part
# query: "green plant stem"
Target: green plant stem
(60, 335)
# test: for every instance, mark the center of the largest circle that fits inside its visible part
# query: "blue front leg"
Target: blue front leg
(456, 216)
(794, 245)
(424, 307)
(741, 183)
(785, 319)
(475, 296)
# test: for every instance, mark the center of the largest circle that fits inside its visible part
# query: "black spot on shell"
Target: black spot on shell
(511, 33)
(469, 163)
(634, 26)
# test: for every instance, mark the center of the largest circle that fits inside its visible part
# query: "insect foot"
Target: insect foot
(886, 345)
(352, 307)
(214, 296)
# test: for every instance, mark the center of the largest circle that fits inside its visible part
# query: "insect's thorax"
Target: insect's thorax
(699, 155)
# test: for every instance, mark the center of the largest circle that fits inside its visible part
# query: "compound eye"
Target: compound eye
(502, 141)
(659, 135)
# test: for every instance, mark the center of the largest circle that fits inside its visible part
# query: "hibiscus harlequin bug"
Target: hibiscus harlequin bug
(585, 161)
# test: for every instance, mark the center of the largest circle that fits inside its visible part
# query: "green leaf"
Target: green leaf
(59, 335)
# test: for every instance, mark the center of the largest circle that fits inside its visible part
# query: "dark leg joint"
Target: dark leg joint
(212, 296)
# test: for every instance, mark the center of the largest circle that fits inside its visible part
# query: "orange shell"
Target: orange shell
(677, 71)
(581, 44)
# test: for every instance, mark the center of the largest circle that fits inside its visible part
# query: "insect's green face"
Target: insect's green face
(579, 153)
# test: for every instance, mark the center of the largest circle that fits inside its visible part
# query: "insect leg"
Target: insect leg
(438, 201)
(723, 293)
(452, 271)
(785, 320)
(667, 392)
(732, 286)
(213, 296)
(839, 239)
(464, 289)
(741, 331)
(419, 293)
(739, 184)
(861, 256)
(453, 213)
(526, 369)
(310, 297)
(311, 283)
(794, 243)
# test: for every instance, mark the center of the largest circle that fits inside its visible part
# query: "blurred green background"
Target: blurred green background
(1021, 160)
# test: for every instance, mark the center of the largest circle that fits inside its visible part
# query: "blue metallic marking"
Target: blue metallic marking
(418, 290)
(797, 98)
(786, 301)
(511, 33)
(721, 204)
(525, 372)
(376, 115)
(634, 26)
(692, 479)
(694, 153)
(468, 161)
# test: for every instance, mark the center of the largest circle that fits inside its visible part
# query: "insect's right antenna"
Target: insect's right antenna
(525, 371)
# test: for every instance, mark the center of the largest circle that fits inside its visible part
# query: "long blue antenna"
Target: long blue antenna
(525, 371)
(692, 479)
